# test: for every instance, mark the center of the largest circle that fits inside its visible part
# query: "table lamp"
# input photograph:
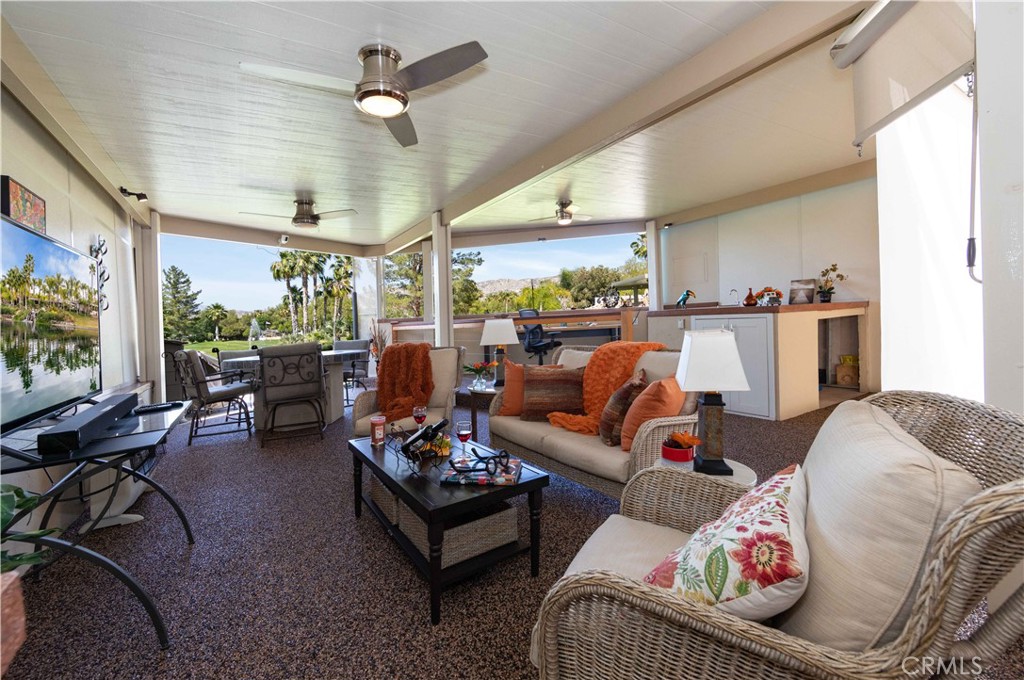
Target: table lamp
(498, 333)
(710, 363)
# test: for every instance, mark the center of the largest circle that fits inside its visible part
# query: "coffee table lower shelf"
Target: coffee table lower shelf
(456, 572)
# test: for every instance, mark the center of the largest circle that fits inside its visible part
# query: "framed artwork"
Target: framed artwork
(21, 205)
(801, 291)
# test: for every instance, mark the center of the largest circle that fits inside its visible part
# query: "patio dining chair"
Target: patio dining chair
(207, 390)
(292, 376)
(357, 367)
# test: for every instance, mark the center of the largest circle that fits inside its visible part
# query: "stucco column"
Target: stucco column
(654, 266)
(151, 306)
(441, 241)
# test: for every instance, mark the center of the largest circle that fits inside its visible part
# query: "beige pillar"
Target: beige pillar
(654, 266)
(151, 308)
(441, 242)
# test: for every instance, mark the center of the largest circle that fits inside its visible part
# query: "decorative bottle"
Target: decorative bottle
(750, 300)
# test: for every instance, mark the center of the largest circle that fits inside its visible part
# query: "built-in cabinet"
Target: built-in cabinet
(755, 338)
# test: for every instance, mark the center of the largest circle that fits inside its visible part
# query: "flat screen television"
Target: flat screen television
(50, 322)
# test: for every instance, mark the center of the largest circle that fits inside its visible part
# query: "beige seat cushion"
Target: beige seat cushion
(529, 435)
(586, 452)
(445, 369)
(876, 497)
(574, 358)
(625, 546)
(361, 427)
(663, 364)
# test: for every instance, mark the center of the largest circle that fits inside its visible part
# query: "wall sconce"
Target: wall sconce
(141, 196)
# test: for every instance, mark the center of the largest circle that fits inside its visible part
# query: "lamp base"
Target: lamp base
(711, 466)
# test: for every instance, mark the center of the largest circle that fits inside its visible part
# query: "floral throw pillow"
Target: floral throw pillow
(752, 561)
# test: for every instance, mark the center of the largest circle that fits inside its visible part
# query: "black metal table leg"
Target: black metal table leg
(115, 569)
(357, 482)
(168, 497)
(535, 505)
(435, 538)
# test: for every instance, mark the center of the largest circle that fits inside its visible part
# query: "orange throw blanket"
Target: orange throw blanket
(609, 367)
(404, 379)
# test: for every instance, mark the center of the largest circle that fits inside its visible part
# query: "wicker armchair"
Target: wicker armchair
(446, 365)
(598, 624)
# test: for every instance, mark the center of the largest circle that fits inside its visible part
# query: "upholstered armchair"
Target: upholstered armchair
(206, 390)
(446, 371)
(601, 621)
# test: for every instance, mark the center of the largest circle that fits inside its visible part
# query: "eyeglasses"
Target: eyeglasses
(490, 464)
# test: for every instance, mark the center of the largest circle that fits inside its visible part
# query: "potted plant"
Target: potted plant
(378, 340)
(15, 502)
(480, 369)
(826, 283)
(677, 449)
(768, 296)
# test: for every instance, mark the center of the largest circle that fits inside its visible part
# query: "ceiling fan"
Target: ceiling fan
(565, 213)
(305, 217)
(384, 89)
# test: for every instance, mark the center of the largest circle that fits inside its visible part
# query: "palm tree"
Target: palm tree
(339, 285)
(285, 269)
(308, 265)
(216, 313)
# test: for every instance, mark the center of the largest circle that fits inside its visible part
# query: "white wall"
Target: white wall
(1000, 97)
(778, 242)
(932, 313)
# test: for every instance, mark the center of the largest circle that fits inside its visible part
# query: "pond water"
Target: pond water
(40, 367)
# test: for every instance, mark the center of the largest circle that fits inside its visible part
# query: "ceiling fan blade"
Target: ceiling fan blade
(283, 217)
(444, 64)
(571, 208)
(582, 218)
(542, 219)
(332, 214)
(316, 81)
(402, 129)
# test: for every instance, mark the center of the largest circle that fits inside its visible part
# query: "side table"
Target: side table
(476, 399)
(741, 474)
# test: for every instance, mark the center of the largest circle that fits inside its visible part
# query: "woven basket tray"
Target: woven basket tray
(385, 500)
(484, 531)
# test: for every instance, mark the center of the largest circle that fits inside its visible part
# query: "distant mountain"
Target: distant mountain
(514, 285)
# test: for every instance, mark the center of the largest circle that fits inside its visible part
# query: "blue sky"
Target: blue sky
(238, 275)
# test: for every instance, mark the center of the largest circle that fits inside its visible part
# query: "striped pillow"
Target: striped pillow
(547, 390)
(610, 427)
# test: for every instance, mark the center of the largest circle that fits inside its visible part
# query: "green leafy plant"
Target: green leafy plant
(829, 275)
(13, 500)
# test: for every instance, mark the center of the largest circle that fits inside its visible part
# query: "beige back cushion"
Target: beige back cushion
(573, 358)
(660, 365)
(444, 366)
(875, 499)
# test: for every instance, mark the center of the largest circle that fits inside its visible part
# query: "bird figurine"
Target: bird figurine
(684, 298)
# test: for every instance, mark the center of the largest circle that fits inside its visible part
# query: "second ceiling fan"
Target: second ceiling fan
(565, 213)
(305, 217)
(383, 91)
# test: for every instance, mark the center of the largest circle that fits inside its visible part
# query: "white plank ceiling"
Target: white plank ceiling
(159, 86)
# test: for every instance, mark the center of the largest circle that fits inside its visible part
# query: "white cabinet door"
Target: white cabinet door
(755, 339)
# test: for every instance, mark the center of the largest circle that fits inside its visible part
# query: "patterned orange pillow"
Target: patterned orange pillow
(546, 391)
(512, 395)
(614, 413)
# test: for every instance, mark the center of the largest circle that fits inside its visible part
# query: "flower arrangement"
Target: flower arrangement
(378, 339)
(768, 295)
(682, 440)
(828, 277)
(480, 367)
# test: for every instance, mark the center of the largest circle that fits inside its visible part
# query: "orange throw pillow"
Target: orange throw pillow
(661, 399)
(512, 396)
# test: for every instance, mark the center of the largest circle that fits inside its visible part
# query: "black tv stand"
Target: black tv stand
(128, 439)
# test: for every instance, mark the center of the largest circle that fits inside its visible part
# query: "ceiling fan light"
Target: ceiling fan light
(382, 101)
(564, 217)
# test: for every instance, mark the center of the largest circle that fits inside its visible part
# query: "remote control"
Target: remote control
(152, 408)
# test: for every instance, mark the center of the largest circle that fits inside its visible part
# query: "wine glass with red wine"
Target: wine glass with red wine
(463, 430)
(419, 414)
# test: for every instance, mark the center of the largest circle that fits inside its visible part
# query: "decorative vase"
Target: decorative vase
(751, 299)
(479, 382)
(824, 296)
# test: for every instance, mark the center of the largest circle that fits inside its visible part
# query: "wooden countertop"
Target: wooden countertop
(778, 309)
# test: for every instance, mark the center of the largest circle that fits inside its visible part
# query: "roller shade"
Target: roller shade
(926, 49)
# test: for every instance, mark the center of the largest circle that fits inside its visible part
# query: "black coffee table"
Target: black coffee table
(439, 505)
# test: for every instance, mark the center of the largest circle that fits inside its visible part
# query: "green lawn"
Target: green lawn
(207, 347)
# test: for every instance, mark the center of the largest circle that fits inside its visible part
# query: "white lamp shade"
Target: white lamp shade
(710, 362)
(499, 332)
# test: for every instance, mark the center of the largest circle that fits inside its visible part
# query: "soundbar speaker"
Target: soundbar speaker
(63, 439)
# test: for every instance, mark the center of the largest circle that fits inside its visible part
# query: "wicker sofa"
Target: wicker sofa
(600, 621)
(584, 458)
